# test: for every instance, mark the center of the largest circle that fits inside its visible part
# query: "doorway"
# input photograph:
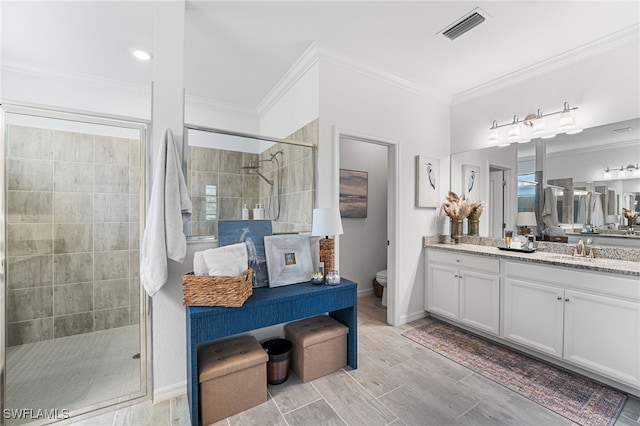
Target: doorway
(500, 194)
(74, 314)
(371, 244)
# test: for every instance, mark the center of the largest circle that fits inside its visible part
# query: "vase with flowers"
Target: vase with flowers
(474, 217)
(457, 208)
(631, 217)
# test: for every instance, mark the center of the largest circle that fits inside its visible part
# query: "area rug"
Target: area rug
(575, 397)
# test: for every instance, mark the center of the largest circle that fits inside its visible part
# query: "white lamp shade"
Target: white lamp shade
(611, 218)
(326, 222)
(539, 127)
(567, 122)
(526, 219)
(493, 136)
(514, 131)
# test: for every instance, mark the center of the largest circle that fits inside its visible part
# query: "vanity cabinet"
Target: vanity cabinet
(591, 320)
(464, 288)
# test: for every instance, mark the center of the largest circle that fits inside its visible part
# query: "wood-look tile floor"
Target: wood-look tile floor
(398, 382)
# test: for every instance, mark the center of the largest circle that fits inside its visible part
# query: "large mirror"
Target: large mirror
(235, 176)
(591, 176)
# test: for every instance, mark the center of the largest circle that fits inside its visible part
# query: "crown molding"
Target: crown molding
(75, 78)
(213, 105)
(300, 67)
(343, 60)
(578, 54)
(318, 52)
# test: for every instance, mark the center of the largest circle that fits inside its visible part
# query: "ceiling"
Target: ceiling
(236, 51)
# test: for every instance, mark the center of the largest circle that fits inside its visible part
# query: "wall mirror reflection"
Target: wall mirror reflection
(235, 176)
(590, 177)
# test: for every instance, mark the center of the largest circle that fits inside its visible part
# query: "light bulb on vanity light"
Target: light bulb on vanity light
(493, 133)
(539, 127)
(607, 174)
(567, 122)
(514, 130)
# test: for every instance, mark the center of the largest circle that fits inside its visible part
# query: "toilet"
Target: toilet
(381, 277)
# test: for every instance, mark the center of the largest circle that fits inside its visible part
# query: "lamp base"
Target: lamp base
(327, 254)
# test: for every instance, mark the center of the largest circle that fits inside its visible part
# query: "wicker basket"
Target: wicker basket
(200, 290)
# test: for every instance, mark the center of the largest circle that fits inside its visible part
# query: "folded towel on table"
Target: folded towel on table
(199, 265)
(226, 261)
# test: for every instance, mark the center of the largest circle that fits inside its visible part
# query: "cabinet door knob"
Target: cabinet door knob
(567, 299)
(560, 298)
(458, 260)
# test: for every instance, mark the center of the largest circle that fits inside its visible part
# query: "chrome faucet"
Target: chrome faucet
(581, 249)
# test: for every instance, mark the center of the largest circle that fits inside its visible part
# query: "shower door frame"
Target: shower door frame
(143, 126)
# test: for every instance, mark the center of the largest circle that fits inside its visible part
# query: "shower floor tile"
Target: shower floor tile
(73, 372)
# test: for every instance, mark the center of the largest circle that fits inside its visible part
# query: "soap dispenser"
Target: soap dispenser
(245, 212)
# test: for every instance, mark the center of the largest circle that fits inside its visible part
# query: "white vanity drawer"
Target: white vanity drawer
(466, 261)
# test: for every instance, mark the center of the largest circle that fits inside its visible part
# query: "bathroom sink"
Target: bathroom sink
(576, 258)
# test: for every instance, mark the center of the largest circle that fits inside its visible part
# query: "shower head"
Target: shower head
(253, 165)
(254, 169)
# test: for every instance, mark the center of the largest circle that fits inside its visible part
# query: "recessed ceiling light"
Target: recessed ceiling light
(141, 54)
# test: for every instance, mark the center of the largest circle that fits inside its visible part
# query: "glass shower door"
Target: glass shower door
(73, 312)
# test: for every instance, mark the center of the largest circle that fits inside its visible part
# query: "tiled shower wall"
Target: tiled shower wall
(235, 187)
(297, 190)
(72, 233)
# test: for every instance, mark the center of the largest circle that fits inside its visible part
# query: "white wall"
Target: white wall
(295, 106)
(605, 87)
(202, 112)
(75, 92)
(353, 102)
(371, 232)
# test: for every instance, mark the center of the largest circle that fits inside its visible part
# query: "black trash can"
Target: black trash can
(278, 364)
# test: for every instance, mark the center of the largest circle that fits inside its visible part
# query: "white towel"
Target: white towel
(199, 266)
(169, 209)
(226, 261)
(597, 215)
(549, 209)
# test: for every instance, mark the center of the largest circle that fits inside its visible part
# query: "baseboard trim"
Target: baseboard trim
(413, 317)
(168, 392)
(365, 292)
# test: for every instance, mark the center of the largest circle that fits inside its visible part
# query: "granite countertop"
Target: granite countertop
(615, 266)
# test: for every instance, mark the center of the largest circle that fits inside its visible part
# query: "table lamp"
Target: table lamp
(327, 222)
(524, 220)
(611, 219)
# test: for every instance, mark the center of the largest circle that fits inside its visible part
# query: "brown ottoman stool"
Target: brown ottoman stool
(233, 377)
(319, 346)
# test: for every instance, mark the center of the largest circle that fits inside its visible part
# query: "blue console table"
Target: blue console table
(265, 307)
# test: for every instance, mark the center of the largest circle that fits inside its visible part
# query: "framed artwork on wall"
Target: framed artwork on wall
(471, 181)
(427, 181)
(354, 187)
(288, 259)
(251, 233)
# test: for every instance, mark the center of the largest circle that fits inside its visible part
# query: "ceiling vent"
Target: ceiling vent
(464, 24)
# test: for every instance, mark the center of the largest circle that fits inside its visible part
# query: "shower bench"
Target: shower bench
(265, 307)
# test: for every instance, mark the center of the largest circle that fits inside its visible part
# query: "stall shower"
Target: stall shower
(74, 325)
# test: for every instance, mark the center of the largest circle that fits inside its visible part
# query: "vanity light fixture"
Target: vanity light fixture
(538, 125)
(622, 172)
